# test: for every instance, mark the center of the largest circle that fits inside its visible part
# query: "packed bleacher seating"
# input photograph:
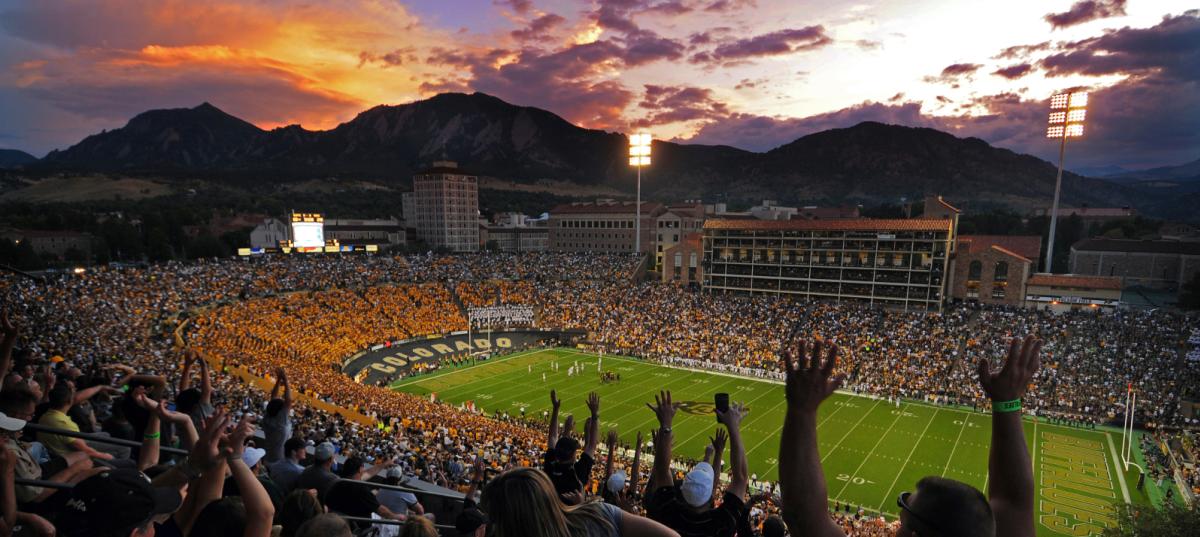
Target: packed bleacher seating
(109, 335)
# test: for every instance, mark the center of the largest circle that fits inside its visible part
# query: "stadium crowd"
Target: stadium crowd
(97, 352)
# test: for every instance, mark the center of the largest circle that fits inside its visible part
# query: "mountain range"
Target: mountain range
(12, 158)
(866, 163)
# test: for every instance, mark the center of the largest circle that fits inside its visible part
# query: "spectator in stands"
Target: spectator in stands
(320, 475)
(195, 402)
(688, 509)
(326, 525)
(287, 470)
(120, 503)
(522, 502)
(277, 419)
(398, 501)
(568, 473)
(61, 398)
(297, 508)
(356, 499)
(17, 406)
(939, 506)
(418, 527)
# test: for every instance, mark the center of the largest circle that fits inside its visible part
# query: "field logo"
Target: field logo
(700, 408)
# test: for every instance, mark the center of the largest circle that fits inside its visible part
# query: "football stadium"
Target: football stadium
(394, 387)
(599, 268)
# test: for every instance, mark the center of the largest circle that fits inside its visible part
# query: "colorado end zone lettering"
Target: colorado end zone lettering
(387, 361)
(1076, 486)
(401, 359)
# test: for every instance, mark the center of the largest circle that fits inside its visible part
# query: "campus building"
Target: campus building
(993, 269)
(901, 263)
(603, 226)
(1165, 265)
(384, 232)
(445, 208)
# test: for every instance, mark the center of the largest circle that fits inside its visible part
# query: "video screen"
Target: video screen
(308, 234)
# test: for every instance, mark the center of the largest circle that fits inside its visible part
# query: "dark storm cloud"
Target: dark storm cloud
(1014, 72)
(1084, 11)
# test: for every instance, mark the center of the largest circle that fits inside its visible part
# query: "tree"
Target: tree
(1141, 521)
(1190, 298)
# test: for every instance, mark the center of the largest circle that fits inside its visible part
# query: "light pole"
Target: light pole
(639, 155)
(1067, 112)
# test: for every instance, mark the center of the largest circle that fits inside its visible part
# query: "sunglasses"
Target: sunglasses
(902, 502)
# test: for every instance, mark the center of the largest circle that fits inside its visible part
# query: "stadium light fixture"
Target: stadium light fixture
(639, 155)
(1067, 113)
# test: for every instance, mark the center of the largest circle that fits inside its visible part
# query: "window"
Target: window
(1001, 271)
(974, 270)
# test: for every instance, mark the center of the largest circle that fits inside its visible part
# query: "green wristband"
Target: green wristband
(1001, 407)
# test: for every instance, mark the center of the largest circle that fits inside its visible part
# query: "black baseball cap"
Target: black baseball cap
(469, 520)
(113, 504)
(773, 526)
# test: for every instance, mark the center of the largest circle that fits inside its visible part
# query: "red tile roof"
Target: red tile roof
(1010, 252)
(849, 224)
(1075, 280)
(1027, 246)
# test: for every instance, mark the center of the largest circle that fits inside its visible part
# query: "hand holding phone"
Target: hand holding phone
(722, 403)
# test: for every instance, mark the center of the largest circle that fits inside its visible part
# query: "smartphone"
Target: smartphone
(722, 403)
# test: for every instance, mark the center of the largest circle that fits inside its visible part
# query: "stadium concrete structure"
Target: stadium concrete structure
(892, 262)
(445, 207)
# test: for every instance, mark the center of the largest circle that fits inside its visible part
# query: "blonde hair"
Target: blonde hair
(418, 526)
(523, 503)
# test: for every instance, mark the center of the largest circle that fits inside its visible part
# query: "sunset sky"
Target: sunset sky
(749, 73)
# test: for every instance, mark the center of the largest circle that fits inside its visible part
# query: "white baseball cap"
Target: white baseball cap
(11, 424)
(698, 484)
(252, 455)
(616, 482)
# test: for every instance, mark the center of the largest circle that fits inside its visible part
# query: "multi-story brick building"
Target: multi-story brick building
(1165, 265)
(674, 224)
(683, 262)
(993, 269)
(899, 263)
(445, 203)
(603, 226)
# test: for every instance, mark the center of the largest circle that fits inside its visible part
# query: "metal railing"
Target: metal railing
(103, 439)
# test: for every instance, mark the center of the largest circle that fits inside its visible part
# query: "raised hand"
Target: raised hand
(569, 426)
(1010, 383)
(611, 441)
(554, 400)
(718, 441)
(206, 453)
(235, 442)
(809, 380)
(732, 418)
(664, 408)
(593, 404)
(8, 328)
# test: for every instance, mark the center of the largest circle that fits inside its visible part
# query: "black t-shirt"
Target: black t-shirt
(568, 477)
(352, 499)
(667, 506)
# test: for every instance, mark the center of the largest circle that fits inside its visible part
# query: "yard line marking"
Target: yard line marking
(955, 447)
(1112, 449)
(888, 492)
(872, 452)
(843, 439)
(819, 424)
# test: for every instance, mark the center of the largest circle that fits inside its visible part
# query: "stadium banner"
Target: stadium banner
(393, 359)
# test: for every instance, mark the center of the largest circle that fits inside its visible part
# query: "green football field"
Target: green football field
(871, 450)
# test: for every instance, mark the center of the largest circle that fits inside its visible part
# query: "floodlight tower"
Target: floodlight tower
(639, 155)
(1067, 112)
